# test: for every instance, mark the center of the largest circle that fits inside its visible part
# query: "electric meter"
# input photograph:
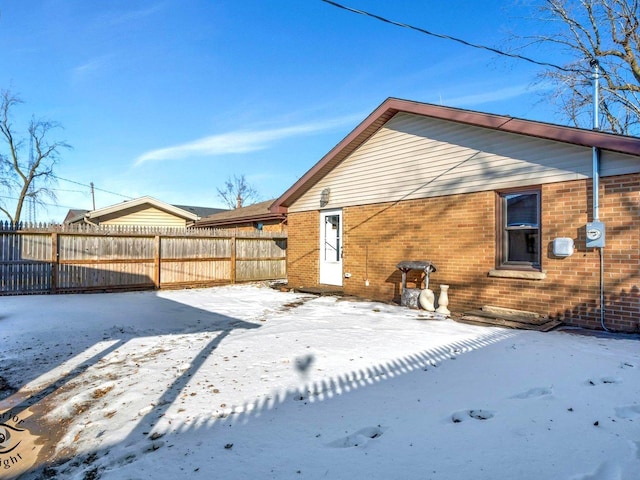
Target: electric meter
(595, 234)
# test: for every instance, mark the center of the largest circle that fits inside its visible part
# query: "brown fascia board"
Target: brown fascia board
(241, 220)
(391, 106)
(338, 153)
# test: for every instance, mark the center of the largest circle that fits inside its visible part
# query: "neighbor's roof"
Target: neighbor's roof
(74, 214)
(392, 106)
(201, 211)
(154, 202)
(258, 212)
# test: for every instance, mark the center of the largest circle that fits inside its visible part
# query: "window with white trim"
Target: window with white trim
(519, 230)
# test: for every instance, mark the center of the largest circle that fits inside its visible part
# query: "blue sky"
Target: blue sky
(170, 98)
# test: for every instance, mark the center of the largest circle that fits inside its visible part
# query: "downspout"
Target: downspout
(86, 219)
(596, 180)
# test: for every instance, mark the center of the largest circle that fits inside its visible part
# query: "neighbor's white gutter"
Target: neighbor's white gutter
(86, 219)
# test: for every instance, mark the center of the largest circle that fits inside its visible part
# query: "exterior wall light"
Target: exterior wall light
(324, 197)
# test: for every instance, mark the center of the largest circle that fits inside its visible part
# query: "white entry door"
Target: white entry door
(331, 247)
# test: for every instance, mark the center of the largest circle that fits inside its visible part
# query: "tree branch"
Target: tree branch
(43, 156)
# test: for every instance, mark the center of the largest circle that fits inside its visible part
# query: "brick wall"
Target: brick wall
(303, 250)
(457, 233)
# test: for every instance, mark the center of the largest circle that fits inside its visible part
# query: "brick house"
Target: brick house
(484, 197)
(256, 217)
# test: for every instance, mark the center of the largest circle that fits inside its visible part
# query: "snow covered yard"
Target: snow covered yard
(247, 382)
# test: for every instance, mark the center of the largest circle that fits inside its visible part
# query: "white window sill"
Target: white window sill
(518, 274)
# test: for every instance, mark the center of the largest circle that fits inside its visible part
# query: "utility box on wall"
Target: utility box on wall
(595, 235)
(563, 247)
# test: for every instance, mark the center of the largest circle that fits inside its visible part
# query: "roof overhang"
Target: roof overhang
(101, 212)
(392, 106)
(267, 217)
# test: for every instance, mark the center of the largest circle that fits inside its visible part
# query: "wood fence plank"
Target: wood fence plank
(64, 259)
(55, 258)
(156, 262)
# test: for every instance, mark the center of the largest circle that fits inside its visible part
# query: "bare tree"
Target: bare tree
(594, 32)
(237, 192)
(27, 179)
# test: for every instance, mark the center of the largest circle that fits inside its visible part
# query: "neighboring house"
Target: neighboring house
(201, 212)
(73, 214)
(143, 211)
(251, 218)
(484, 197)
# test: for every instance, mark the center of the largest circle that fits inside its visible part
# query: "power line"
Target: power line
(41, 203)
(90, 186)
(31, 203)
(459, 40)
(66, 190)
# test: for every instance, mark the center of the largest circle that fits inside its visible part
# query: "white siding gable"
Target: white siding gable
(413, 156)
(149, 216)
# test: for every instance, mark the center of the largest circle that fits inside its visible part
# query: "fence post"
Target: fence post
(62, 265)
(234, 240)
(157, 262)
(55, 262)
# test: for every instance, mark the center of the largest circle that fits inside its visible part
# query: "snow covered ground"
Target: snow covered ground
(246, 382)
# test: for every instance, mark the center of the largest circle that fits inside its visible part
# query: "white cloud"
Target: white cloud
(116, 17)
(137, 15)
(242, 141)
(90, 68)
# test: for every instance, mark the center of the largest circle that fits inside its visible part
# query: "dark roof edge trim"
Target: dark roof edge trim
(391, 106)
(239, 220)
(279, 204)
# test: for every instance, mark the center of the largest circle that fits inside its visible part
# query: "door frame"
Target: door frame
(330, 271)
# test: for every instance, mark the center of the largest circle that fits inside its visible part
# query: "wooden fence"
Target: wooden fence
(63, 259)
